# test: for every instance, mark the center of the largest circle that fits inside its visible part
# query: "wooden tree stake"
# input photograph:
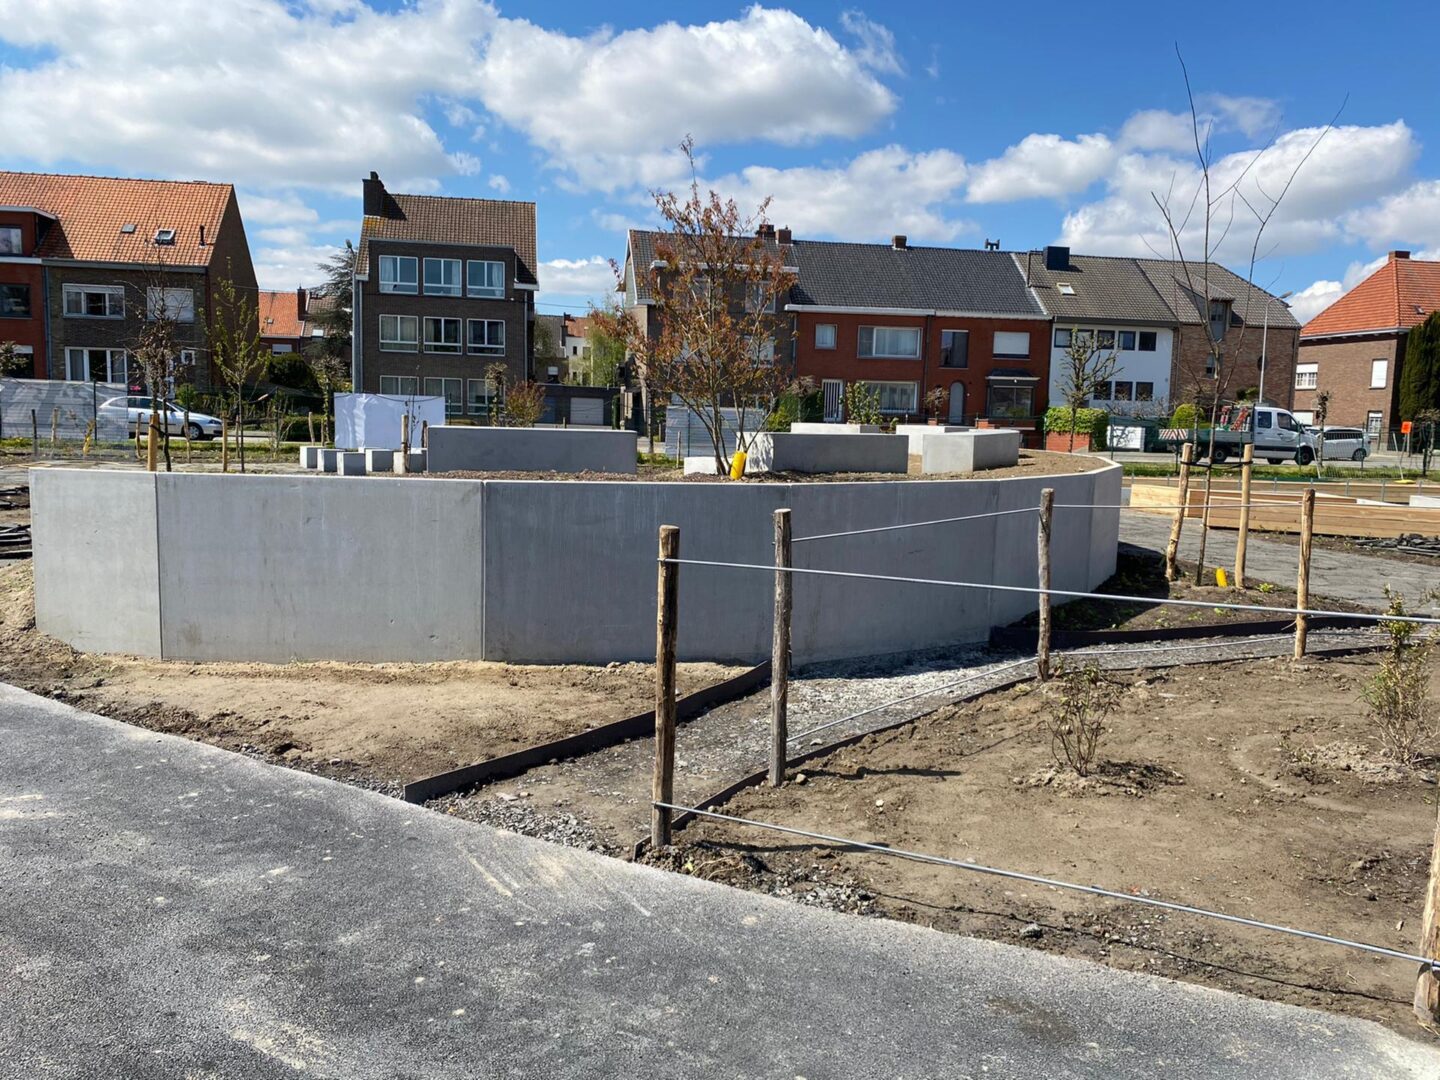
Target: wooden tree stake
(54, 429)
(189, 442)
(224, 445)
(1247, 465)
(1042, 542)
(152, 442)
(666, 596)
(310, 423)
(1172, 548)
(35, 436)
(780, 651)
(1302, 579)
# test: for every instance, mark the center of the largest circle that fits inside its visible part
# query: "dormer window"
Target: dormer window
(164, 236)
(1219, 319)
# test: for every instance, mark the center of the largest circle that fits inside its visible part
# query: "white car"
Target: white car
(136, 410)
(1341, 443)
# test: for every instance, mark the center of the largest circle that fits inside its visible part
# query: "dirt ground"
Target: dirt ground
(1253, 788)
(376, 724)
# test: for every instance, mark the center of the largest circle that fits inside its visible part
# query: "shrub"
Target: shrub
(796, 405)
(1092, 422)
(862, 405)
(1076, 715)
(1187, 416)
(1399, 693)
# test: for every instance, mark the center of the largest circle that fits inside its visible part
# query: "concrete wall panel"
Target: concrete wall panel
(567, 450)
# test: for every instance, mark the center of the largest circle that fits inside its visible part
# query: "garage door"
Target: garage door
(587, 411)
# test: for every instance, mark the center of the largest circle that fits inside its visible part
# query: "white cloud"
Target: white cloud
(590, 279)
(1315, 298)
(1042, 166)
(879, 193)
(1252, 116)
(1409, 217)
(1157, 129)
(626, 100)
(285, 267)
(499, 183)
(875, 43)
(283, 209)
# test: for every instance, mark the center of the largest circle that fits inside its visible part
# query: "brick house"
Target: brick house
(83, 259)
(285, 320)
(1355, 348)
(444, 288)
(907, 321)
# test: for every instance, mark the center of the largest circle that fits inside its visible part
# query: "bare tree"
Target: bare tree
(1086, 368)
(717, 289)
(331, 373)
(236, 350)
(524, 404)
(1321, 412)
(157, 344)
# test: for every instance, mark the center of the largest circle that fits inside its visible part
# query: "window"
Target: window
(896, 397)
(1012, 401)
(483, 394)
(759, 298)
(762, 350)
(280, 350)
(1379, 369)
(1105, 339)
(95, 365)
(1012, 345)
(14, 301)
(1062, 338)
(1105, 391)
(1212, 367)
(399, 385)
(825, 335)
(1372, 426)
(1127, 340)
(177, 305)
(1307, 376)
(452, 390)
(487, 337)
(1144, 391)
(1285, 421)
(1147, 341)
(399, 333)
(164, 236)
(900, 342)
(10, 240)
(1124, 391)
(955, 348)
(1262, 419)
(95, 301)
(442, 277)
(1219, 318)
(1064, 288)
(398, 273)
(442, 335)
(482, 278)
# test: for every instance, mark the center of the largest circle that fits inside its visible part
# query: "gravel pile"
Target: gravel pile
(519, 816)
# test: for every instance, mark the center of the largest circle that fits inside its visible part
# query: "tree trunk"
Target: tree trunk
(240, 433)
(1074, 412)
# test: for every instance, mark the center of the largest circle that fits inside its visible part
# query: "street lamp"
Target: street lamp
(1265, 345)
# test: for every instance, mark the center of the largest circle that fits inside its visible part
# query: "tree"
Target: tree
(156, 345)
(236, 350)
(717, 286)
(1086, 368)
(607, 352)
(332, 301)
(1320, 412)
(546, 347)
(862, 404)
(331, 372)
(1420, 377)
(524, 404)
(12, 360)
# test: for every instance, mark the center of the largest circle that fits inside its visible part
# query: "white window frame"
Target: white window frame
(111, 292)
(444, 392)
(754, 294)
(491, 395)
(73, 353)
(1063, 337)
(1307, 376)
(442, 287)
(875, 353)
(484, 289)
(178, 303)
(398, 343)
(1120, 340)
(393, 284)
(1381, 367)
(488, 348)
(881, 387)
(398, 385)
(821, 344)
(439, 344)
(1003, 354)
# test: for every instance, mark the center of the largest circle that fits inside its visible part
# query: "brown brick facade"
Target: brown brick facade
(1344, 369)
(1241, 349)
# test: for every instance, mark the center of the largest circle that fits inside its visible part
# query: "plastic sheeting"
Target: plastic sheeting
(372, 421)
(71, 405)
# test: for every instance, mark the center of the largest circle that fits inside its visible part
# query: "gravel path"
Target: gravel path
(602, 800)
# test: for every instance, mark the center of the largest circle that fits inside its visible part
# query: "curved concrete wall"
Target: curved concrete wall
(280, 568)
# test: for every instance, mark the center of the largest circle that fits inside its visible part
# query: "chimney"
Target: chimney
(202, 235)
(764, 229)
(300, 304)
(1057, 258)
(783, 236)
(1399, 255)
(374, 196)
(899, 242)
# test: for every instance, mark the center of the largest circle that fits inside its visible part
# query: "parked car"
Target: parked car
(1341, 443)
(136, 411)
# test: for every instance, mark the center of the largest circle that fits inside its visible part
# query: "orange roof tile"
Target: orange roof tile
(1397, 296)
(91, 210)
(280, 315)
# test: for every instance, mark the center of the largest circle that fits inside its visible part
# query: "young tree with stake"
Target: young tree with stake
(236, 350)
(1087, 367)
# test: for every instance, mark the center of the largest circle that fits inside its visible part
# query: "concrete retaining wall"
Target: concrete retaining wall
(497, 449)
(531, 571)
(916, 432)
(969, 451)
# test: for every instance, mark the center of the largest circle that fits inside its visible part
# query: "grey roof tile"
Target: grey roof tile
(1103, 289)
(444, 219)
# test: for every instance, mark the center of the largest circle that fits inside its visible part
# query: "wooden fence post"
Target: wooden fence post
(35, 436)
(1427, 987)
(54, 429)
(666, 593)
(1172, 548)
(424, 434)
(152, 442)
(1042, 542)
(1302, 578)
(780, 650)
(189, 442)
(310, 423)
(224, 445)
(139, 454)
(1247, 464)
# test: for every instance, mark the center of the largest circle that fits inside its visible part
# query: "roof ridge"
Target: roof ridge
(114, 179)
(459, 198)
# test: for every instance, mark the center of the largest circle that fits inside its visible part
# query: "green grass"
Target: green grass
(658, 461)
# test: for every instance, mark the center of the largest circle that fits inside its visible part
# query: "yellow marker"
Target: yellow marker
(737, 465)
(1220, 578)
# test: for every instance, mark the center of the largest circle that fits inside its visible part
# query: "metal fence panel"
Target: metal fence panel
(685, 434)
(64, 408)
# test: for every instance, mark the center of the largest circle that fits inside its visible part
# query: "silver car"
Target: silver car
(1341, 443)
(137, 410)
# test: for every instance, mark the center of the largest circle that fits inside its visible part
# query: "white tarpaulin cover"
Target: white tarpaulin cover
(365, 421)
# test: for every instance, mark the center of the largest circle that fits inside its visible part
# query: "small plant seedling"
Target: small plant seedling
(1075, 716)
(1399, 693)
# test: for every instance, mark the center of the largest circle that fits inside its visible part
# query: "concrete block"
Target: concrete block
(379, 460)
(1425, 500)
(917, 432)
(415, 461)
(309, 457)
(827, 453)
(498, 449)
(969, 451)
(700, 466)
(807, 428)
(350, 463)
(329, 460)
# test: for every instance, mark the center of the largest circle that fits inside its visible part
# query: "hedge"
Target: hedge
(1094, 422)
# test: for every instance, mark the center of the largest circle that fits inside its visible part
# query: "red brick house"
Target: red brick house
(1355, 348)
(284, 320)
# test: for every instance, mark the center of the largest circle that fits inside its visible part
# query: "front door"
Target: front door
(834, 393)
(957, 403)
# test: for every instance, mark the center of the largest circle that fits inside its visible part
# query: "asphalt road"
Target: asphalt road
(168, 909)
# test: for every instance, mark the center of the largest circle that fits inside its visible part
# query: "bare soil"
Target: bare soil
(1254, 788)
(375, 724)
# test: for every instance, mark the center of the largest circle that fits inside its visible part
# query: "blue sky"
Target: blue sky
(1034, 124)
